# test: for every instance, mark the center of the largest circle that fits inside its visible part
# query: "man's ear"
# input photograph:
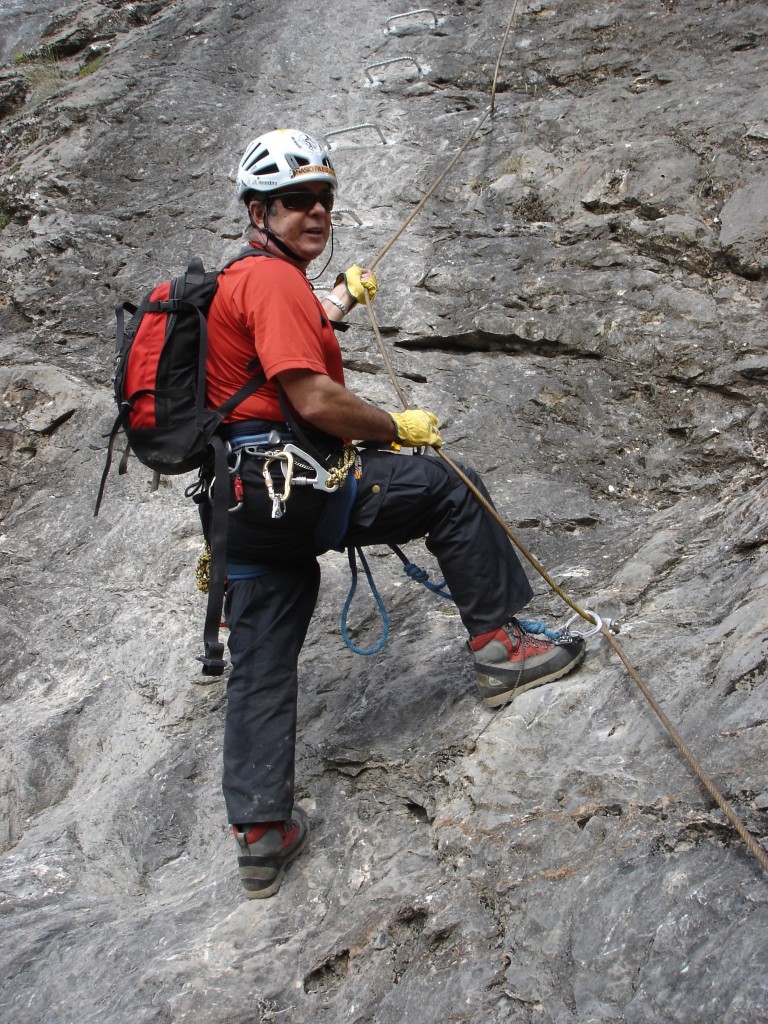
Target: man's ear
(256, 212)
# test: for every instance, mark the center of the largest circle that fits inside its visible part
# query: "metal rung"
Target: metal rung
(411, 14)
(392, 60)
(355, 128)
(349, 213)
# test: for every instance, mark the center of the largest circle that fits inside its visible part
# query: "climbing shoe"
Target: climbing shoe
(511, 660)
(265, 848)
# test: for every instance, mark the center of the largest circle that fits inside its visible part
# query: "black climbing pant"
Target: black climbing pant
(401, 497)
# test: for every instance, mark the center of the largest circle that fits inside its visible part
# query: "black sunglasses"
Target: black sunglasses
(305, 200)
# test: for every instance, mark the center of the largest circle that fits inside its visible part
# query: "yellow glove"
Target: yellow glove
(356, 285)
(416, 427)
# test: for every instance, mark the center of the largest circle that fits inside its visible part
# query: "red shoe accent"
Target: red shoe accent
(509, 661)
(512, 640)
(289, 830)
(477, 643)
(255, 832)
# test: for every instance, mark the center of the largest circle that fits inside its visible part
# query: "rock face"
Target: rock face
(582, 300)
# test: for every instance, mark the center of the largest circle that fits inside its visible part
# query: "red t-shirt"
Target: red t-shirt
(265, 307)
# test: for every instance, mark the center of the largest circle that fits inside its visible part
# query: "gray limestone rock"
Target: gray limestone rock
(744, 221)
(582, 300)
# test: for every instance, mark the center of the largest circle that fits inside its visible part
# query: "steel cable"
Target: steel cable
(501, 54)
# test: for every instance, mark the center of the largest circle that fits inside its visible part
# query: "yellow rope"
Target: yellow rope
(338, 474)
(203, 569)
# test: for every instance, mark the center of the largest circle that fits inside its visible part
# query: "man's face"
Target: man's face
(305, 229)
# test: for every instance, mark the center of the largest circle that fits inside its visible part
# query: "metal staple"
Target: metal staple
(410, 14)
(392, 60)
(355, 128)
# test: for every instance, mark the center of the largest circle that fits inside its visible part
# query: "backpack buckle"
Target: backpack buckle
(213, 659)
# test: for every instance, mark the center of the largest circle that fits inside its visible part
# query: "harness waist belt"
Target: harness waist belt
(247, 571)
(274, 437)
(239, 428)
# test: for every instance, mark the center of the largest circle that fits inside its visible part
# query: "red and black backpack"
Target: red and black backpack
(159, 382)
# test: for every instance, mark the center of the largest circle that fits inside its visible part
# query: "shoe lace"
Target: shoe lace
(536, 643)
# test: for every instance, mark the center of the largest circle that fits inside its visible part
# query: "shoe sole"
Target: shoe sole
(270, 890)
(507, 696)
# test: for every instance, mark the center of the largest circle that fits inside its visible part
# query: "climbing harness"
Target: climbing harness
(299, 469)
(274, 450)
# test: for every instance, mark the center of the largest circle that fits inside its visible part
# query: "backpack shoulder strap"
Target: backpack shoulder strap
(213, 656)
(248, 251)
(255, 382)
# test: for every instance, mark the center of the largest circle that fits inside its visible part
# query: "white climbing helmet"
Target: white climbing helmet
(282, 157)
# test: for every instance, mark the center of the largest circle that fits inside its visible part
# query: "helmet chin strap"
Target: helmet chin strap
(277, 241)
(325, 265)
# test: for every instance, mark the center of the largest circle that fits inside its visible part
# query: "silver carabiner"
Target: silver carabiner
(611, 624)
(279, 500)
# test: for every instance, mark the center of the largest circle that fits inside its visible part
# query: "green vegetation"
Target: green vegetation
(42, 70)
(46, 55)
(531, 207)
(91, 66)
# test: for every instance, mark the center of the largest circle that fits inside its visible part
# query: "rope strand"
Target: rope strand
(501, 53)
(430, 191)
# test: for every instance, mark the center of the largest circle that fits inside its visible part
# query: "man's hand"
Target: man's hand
(358, 281)
(416, 428)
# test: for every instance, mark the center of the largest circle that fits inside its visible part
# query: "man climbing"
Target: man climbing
(298, 427)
